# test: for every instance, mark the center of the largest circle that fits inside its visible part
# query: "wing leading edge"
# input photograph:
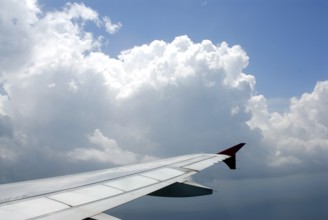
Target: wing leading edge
(87, 195)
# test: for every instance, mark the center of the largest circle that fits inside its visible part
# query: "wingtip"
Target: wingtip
(232, 150)
(231, 161)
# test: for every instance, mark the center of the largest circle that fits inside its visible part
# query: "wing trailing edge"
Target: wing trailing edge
(231, 161)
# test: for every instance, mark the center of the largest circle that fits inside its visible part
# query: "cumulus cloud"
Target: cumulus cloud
(111, 28)
(298, 135)
(62, 96)
(106, 150)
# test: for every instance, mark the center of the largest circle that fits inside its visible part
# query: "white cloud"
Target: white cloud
(299, 134)
(279, 160)
(105, 150)
(111, 27)
(79, 10)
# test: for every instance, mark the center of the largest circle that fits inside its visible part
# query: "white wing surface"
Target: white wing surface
(88, 195)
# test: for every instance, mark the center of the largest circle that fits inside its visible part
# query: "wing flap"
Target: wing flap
(131, 183)
(31, 208)
(163, 174)
(85, 195)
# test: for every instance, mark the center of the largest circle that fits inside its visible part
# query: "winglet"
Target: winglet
(231, 161)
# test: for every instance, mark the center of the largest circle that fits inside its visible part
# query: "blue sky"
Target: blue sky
(72, 101)
(285, 40)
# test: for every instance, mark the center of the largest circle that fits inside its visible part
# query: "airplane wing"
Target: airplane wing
(88, 195)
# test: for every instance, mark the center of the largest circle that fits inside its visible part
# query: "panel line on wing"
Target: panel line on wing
(163, 173)
(181, 164)
(131, 183)
(85, 195)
